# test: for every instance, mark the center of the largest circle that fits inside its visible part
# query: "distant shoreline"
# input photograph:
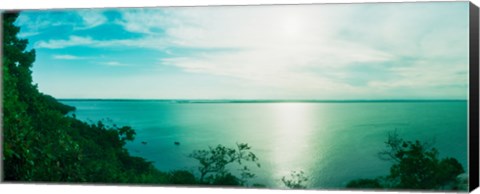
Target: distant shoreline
(266, 101)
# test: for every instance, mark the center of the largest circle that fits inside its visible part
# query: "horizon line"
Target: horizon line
(257, 100)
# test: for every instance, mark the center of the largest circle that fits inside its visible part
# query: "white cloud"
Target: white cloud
(72, 41)
(294, 48)
(87, 41)
(30, 26)
(27, 34)
(66, 57)
(113, 63)
(145, 21)
(91, 18)
(281, 45)
(35, 22)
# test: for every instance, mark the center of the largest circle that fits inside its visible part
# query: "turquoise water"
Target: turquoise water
(332, 143)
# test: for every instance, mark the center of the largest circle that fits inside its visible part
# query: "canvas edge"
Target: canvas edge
(473, 98)
(2, 12)
(473, 105)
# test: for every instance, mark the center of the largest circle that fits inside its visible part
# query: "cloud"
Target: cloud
(30, 26)
(27, 34)
(143, 21)
(314, 51)
(87, 41)
(72, 41)
(296, 47)
(113, 63)
(91, 18)
(36, 22)
(66, 57)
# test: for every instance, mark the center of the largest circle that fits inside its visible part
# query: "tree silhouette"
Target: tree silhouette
(416, 166)
(214, 161)
(296, 180)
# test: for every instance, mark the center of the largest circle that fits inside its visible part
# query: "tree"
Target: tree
(182, 177)
(214, 161)
(41, 143)
(296, 180)
(365, 184)
(416, 166)
(17, 124)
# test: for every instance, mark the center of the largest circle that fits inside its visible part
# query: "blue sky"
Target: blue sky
(336, 51)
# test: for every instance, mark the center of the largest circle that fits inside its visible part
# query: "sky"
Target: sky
(320, 52)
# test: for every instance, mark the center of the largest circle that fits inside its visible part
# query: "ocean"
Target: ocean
(331, 142)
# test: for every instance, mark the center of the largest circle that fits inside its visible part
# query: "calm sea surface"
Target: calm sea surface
(332, 143)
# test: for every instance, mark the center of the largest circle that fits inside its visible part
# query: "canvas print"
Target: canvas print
(321, 96)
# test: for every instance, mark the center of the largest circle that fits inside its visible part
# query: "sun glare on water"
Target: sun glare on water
(292, 136)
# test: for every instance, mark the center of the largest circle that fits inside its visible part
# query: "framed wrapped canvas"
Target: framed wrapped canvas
(360, 96)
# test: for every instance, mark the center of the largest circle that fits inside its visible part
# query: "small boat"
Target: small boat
(144, 142)
(176, 143)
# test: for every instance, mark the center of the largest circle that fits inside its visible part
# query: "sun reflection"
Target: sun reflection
(291, 137)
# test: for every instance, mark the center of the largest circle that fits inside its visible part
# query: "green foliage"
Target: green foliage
(225, 179)
(258, 185)
(51, 103)
(365, 184)
(182, 177)
(28, 122)
(214, 161)
(40, 143)
(296, 180)
(416, 166)
(15, 115)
